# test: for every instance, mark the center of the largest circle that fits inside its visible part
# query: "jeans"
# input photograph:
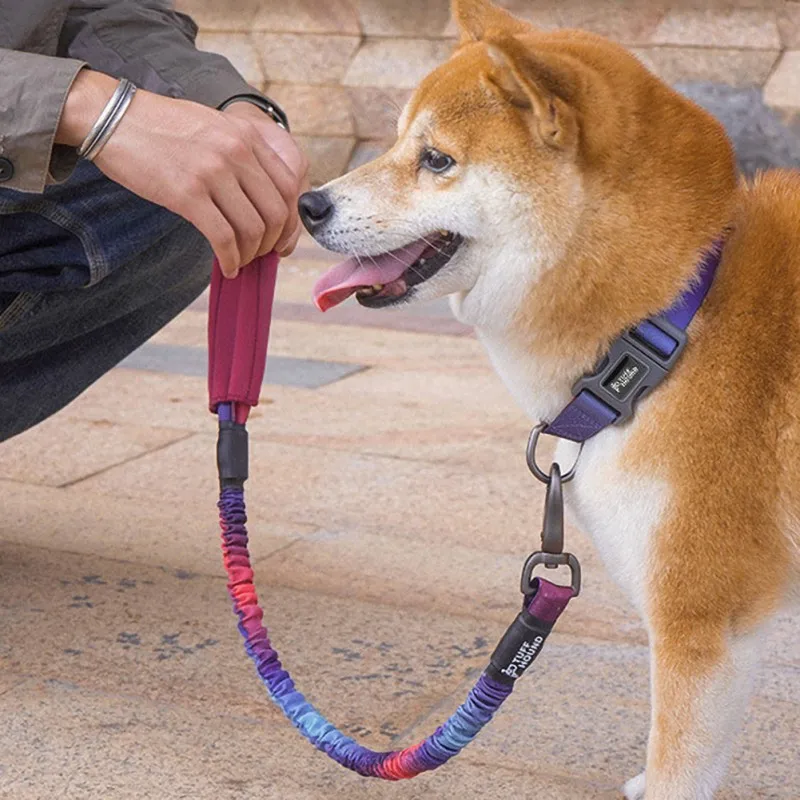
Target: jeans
(88, 272)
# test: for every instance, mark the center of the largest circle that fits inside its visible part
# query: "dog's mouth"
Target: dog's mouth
(388, 278)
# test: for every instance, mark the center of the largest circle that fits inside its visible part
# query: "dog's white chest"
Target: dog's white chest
(617, 508)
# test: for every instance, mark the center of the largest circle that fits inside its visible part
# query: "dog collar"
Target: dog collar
(636, 363)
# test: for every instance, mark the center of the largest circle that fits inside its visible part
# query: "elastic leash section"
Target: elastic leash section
(237, 353)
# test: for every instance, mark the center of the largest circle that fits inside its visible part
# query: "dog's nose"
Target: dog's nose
(315, 208)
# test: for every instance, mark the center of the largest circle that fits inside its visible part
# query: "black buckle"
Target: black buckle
(632, 368)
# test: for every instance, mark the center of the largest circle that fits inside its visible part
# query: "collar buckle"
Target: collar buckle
(637, 362)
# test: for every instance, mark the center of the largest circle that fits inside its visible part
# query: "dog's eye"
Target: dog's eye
(435, 161)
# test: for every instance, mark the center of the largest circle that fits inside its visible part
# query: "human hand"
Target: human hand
(217, 170)
(282, 142)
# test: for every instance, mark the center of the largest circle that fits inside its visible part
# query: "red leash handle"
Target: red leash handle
(239, 317)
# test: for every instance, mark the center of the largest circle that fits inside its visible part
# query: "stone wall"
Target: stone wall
(342, 69)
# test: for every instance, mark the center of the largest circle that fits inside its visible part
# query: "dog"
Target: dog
(558, 193)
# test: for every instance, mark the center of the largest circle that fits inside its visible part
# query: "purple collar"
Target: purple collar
(635, 364)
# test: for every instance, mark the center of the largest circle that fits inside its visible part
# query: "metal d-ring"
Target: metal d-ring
(531, 457)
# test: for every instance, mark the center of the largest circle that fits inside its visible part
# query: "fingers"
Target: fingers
(212, 223)
(282, 180)
(288, 248)
(251, 225)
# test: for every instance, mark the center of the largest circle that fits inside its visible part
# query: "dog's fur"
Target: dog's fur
(587, 191)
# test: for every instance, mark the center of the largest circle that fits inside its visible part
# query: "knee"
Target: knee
(185, 258)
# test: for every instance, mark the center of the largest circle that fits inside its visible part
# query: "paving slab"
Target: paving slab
(460, 580)
(727, 27)
(738, 67)
(137, 630)
(141, 687)
(783, 87)
(308, 59)
(303, 373)
(182, 538)
(82, 744)
(307, 16)
(63, 450)
(239, 49)
(761, 136)
(343, 490)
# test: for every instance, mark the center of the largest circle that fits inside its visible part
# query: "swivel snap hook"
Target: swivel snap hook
(552, 554)
(553, 523)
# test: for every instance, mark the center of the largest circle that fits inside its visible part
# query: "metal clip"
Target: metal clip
(530, 456)
(553, 523)
(552, 554)
(552, 561)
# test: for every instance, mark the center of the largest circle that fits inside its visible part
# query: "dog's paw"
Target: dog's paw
(634, 788)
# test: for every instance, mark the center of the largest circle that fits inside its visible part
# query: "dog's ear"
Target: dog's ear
(477, 18)
(540, 82)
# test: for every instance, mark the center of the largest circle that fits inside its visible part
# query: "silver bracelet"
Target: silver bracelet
(108, 120)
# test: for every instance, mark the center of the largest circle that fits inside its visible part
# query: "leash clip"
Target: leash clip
(552, 554)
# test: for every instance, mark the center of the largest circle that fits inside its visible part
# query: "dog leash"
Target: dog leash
(239, 320)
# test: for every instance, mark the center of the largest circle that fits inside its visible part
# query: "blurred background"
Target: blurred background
(343, 68)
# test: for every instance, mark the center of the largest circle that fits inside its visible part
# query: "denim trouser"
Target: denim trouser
(88, 272)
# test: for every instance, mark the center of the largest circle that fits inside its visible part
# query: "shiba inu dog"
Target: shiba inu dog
(559, 193)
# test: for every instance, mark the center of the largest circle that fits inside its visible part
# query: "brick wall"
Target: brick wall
(342, 69)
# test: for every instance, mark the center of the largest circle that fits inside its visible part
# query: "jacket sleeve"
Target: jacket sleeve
(152, 45)
(142, 40)
(33, 89)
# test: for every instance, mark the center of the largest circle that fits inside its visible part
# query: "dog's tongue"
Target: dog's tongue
(338, 283)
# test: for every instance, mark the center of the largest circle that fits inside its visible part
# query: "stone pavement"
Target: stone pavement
(390, 510)
(344, 68)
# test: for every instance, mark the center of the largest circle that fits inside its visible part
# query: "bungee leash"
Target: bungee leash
(638, 361)
(239, 320)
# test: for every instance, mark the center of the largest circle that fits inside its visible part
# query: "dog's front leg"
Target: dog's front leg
(701, 676)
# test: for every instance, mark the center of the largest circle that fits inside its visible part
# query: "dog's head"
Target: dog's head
(521, 150)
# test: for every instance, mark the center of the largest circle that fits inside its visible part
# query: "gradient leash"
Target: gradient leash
(239, 319)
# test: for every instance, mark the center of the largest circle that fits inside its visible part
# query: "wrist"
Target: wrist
(86, 100)
(264, 106)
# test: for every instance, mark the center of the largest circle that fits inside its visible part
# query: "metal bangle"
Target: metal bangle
(107, 122)
(269, 107)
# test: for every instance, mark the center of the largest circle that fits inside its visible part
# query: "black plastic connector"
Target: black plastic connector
(232, 454)
(518, 648)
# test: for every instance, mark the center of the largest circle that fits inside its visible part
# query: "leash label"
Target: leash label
(523, 658)
(519, 647)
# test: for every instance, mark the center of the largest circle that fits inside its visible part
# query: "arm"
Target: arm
(235, 175)
(145, 40)
(151, 45)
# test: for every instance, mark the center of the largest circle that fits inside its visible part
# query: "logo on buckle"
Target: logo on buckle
(626, 377)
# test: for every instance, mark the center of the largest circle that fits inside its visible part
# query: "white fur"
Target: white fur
(634, 788)
(716, 717)
(618, 508)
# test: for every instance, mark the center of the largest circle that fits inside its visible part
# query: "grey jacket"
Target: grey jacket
(44, 44)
